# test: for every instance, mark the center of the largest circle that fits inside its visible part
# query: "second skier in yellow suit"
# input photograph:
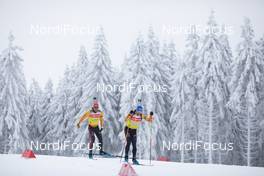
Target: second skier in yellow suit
(132, 122)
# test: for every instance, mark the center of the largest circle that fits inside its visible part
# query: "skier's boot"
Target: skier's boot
(126, 159)
(90, 155)
(135, 162)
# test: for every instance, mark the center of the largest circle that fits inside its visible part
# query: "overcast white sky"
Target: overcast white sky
(46, 56)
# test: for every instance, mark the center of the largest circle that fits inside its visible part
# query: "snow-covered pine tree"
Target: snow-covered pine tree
(101, 74)
(181, 117)
(34, 110)
(78, 75)
(260, 44)
(260, 110)
(227, 137)
(45, 113)
(139, 75)
(161, 79)
(247, 91)
(58, 109)
(3, 140)
(121, 78)
(223, 39)
(184, 117)
(13, 131)
(171, 56)
(214, 64)
(191, 55)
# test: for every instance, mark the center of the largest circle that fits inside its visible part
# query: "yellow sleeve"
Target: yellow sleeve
(84, 116)
(102, 119)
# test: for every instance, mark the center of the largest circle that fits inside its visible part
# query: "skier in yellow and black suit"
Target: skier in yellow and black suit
(132, 122)
(95, 119)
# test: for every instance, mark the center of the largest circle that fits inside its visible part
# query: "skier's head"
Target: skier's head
(139, 109)
(95, 104)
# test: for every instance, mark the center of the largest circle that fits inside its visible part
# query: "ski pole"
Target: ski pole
(150, 143)
(150, 139)
(124, 146)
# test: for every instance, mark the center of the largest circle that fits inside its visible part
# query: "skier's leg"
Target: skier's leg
(128, 142)
(134, 151)
(91, 140)
(100, 138)
(134, 144)
(127, 147)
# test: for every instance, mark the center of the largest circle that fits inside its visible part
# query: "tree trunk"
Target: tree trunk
(248, 139)
(211, 107)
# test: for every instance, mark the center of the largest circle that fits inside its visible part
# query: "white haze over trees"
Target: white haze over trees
(212, 95)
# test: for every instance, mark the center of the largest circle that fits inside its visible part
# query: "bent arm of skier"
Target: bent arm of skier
(129, 115)
(84, 116)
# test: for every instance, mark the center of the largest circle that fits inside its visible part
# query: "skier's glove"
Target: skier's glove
(78, 125)
(132, 112)
(150, 119)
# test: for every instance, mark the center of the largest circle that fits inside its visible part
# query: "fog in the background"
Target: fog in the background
(46, 56)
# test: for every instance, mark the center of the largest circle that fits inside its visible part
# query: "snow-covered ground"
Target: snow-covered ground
(15, 165)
